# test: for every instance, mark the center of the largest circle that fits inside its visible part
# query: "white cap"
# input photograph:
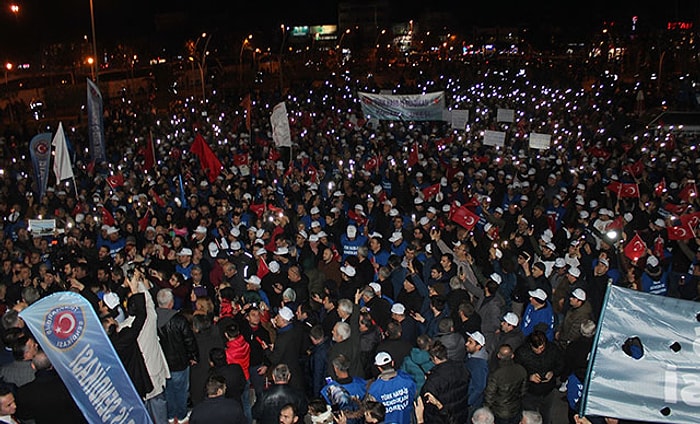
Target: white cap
(376, 287)
(393, 212)
(424, 220)
(496, 277)
(575, 271)
(315, 224)
(313, 238)
(235, 232)
(538, 294)
(112, 230)
(477, 337)
(660, 222)
(559, 263)
(281, 251)
(200, 229)
(348, 270)
(185, 251)
(398, 308)
(253, 279)
(315, 210)
(511, 318)
(111, 299)
(236, 245)
(551, 246)
(579, 294)
(382, 358)
(488, 226)
(396, 236)
(286, 313)
(351, 231)
(303, 234)
(274, 267)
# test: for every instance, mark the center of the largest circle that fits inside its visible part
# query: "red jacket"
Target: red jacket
(238, 352)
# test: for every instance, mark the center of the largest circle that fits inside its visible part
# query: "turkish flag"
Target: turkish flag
(689, 192)
(115, 181)
(373, 163)
(431, 191)
(676, 209)
(413, 155)
(247, 105)
(312, 172)
(690, 219)
(635, 169)
(273, 155)
(636, 248)
(240, 159)
(149, 154)
(207, 158)
(359, 219)
(464, 217)
(143, 222)
(258, 209)
(599, 152)
(442, 143)
(262, 268)
(107, 217)
(617, 224)
(660, 188)
(659, 247)
(680, 232)
(624, 189)
(159, 200)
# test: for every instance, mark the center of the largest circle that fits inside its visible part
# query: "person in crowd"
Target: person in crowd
(216, 407)
(268, 406)
(395, 389)
(448, 382)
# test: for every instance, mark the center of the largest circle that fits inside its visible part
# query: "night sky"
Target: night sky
(41, 21)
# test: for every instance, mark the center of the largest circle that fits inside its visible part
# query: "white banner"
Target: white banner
(494, 138)
(505, 115)
(281, 134)
(403, 107)
(459, 119)
(540, 141)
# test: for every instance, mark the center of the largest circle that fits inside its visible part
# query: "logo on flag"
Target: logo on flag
(64, 325)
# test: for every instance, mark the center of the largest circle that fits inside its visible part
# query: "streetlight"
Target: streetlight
(91, 61)
(201, 64)
(8, 68)
(340, 43)
(284, 34)
(240, 58)
(95, 74)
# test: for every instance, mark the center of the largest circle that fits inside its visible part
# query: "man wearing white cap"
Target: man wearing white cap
(288, 346)
(477, 363)
(538, 314)
(510, 334)
(395, 389)
(184, 262)
(351, 241)
(579, 312)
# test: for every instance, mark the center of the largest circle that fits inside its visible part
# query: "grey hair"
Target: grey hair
(483, 415)
(343, 330)
(164, 297)
(531, 417)
(345, 305)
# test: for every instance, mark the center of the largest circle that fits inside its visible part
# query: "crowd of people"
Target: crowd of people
(334, 280)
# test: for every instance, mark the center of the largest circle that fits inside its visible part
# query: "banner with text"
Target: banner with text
(644, 365)
(40, 152)
(281, 133)
(404, 107)
(67, 329)
(96, 131)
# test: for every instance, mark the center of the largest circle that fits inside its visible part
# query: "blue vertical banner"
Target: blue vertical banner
(644, 363)
(67, 329)
(96, 131)
(40, 152)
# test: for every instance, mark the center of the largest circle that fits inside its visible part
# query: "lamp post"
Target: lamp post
(91, 61)
(240, 58)
(284, 34)
(95, 74)
(340, 42)
(8, 68)
(202, 63)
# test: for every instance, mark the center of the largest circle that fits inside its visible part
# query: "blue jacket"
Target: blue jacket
(478, 366)
(532, 317)
(397, 395)
(417, 364)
